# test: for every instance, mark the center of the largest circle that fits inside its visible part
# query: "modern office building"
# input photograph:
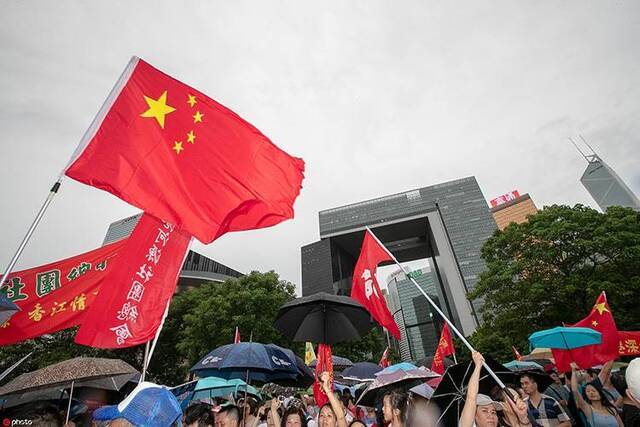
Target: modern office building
(604, 184)
(419, 325)
(515, 210)
(445, 223)
(196, 269)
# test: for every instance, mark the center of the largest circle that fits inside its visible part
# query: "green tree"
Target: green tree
(204, 318)
(552, 268)
(367, 349)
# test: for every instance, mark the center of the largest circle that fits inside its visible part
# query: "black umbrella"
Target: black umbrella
(324, 318)
(542, 379)
(451, 393)
(338, 363)
(361, 371)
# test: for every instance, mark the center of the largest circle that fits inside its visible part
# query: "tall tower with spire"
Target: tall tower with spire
(604, 184)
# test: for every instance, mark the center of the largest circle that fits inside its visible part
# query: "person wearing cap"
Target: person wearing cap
(479, 409)
(147, 405)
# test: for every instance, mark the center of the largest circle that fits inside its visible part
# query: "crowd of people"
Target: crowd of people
(591, 398)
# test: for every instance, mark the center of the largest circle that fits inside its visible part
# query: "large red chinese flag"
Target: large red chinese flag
(364, 287)
(141, 283)
(182, 157)
(600, 319)
(445, 348)
(324, 363)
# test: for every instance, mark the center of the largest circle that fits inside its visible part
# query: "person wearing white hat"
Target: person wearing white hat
(479, 409)
(632, 376)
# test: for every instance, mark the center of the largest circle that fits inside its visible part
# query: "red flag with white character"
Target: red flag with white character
(141, 283)
(365, 289)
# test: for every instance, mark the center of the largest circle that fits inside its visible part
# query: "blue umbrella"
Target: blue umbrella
(260, 362)
(564, 338)
(7, 309)
(402, 366)
(361, 371)
(522, 365)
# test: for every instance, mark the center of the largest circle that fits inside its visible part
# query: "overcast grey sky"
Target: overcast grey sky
(378, 97)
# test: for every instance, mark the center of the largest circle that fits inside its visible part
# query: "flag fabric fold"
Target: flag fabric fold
(141, 283)
(445, 348)
(182, 157)
(599, 319)
(364, 287)
(236, 336)
(325, 364)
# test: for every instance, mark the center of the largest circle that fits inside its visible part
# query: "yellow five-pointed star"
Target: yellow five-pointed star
(177, 147)
(602, 307)
(191, 137)
(192, 100)
(158, 108)
(594, 323)
(197, 117)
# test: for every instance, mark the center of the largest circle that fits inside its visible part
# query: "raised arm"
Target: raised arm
(580, 403)
(335, 404)
(468, 415)
(274, 411)
(605, 372)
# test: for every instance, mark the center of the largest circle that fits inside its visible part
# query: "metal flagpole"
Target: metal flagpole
(69, 406)
(36, 221)
(437, 309)
(89, 133)
(145, 361)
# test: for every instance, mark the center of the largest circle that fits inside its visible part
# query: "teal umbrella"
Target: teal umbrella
(564, 338)
(211, 387)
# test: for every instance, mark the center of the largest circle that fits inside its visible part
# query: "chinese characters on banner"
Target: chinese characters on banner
(55, 296)
(511, 195)
(629, 343)
(142, 282)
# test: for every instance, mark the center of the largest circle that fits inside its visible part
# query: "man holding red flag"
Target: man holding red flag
(182, 157)
(599, 319)
(364, 287)
(445, 348)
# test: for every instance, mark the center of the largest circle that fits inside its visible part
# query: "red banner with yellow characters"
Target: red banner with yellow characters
(55, 296)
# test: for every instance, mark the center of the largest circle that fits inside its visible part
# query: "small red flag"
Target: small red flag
(599, 319)
(236, 337)
(445, 348)
(365, 289)
(141, 282)
(324, 364)
(516, 353)
(182, 157)
(384, 360)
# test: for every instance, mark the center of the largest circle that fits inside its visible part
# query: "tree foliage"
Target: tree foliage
(551, 269)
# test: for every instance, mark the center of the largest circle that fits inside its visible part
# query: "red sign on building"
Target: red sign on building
(512, 195)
